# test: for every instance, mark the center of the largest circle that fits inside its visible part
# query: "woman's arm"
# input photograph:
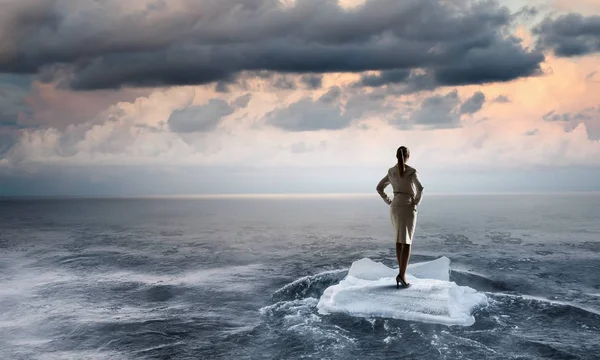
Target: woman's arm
(381, 189)
(418, 188)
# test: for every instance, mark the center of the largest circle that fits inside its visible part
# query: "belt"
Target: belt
(398, 192)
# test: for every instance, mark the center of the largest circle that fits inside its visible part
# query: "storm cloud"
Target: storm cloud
(93, 45)
(385, 77)
(569, 35)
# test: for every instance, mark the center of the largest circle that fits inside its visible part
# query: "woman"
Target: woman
(403, 208)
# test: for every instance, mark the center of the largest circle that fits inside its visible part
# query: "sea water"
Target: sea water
(494, 277)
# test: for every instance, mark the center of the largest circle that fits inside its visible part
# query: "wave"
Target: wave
(309, 286)
(478, 281)
(553, 308)
(299, 318)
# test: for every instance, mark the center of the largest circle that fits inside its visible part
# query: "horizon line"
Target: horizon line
(284, 195)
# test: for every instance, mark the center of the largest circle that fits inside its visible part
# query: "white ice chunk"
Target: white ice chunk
(369, 290)
(438, 269)
(368, 269)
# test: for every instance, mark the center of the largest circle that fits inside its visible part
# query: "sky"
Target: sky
(156, 97)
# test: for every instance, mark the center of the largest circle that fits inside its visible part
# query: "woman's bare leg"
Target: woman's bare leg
(405, 256)
(399, 248)
(402, 254)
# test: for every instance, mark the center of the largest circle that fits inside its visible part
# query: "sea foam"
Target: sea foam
(369, 290)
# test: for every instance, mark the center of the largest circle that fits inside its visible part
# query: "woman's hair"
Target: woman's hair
(402, 155)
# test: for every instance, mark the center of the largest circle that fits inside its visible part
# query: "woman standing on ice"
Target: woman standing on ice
(403, 208)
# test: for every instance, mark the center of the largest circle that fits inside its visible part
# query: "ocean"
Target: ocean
(245, 278)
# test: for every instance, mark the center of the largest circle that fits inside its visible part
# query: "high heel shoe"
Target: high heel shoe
(401, 280)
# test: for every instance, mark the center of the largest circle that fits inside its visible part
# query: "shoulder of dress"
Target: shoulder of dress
(410, 169)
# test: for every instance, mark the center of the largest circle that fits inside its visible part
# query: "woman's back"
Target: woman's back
(407, 187)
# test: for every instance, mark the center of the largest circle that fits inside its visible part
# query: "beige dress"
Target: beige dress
(408, 192)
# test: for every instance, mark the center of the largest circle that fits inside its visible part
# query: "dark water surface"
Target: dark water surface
(240, 278)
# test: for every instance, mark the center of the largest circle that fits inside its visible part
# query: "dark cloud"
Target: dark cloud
(242, 101)
(364, 104)
(13, 93)
(7, 140)
(501, 99)
(224, 85)
(202, 41)
(526, 12)
(15, 113)
(416, 82)
(473, 104)
(331, 95)
(309, 115)
(471, 64)
(284, 83)
(312, 81)
(569, 35)
(503, 61)
(553, 116)
(438, 111)
(202, 118)
(385, 77)
(398, 82)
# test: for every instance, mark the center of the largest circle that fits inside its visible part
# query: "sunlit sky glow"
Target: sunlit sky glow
(308, 96)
